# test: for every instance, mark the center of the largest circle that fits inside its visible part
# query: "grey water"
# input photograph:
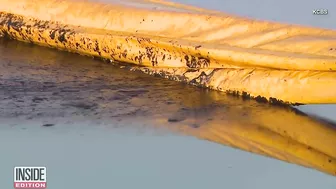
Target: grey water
(95, 126)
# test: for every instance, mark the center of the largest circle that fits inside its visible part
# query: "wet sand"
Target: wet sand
(94, 124)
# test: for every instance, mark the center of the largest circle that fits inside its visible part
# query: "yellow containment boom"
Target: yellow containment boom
(259, 59)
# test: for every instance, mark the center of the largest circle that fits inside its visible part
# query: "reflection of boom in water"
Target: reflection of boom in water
(260, 128)
(276, 132)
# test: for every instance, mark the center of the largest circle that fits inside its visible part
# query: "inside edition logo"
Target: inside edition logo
(30, 177)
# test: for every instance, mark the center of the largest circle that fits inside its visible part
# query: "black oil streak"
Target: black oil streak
(197, 47)
(48, 125)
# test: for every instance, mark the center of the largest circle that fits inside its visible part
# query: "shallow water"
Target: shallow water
(93, 124)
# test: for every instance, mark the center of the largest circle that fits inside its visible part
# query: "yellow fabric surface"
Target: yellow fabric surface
(225, 39)
(186, 38)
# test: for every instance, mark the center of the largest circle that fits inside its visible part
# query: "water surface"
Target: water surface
(93, 124)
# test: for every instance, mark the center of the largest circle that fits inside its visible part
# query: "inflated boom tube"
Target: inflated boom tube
(258, 59)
